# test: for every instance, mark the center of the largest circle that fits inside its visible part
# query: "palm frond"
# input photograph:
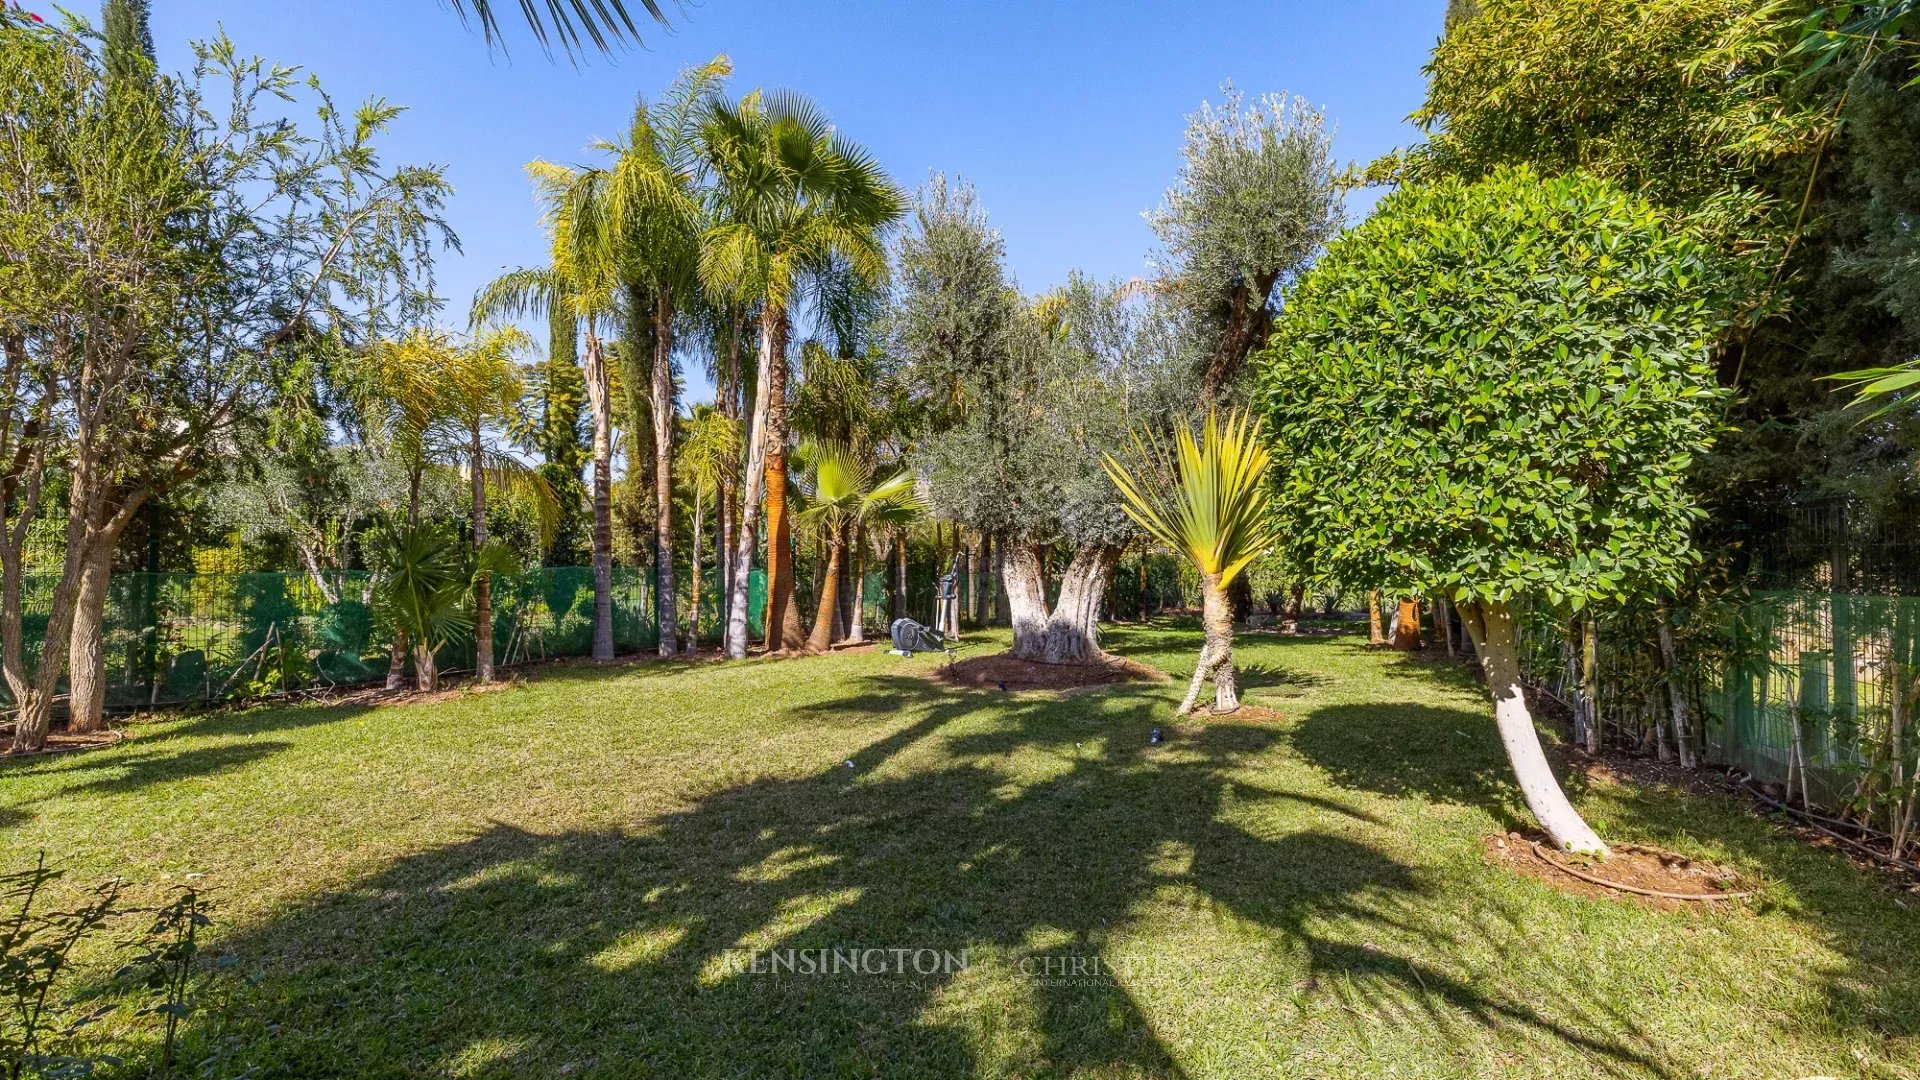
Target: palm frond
(603, 24)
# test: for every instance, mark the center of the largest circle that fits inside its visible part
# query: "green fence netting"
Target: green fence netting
(1810, 678)
(1780, 683)
(173, 639)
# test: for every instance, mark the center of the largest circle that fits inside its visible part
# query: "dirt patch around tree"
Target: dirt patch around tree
(1003, 671)
(60, 742)
(1642, 875)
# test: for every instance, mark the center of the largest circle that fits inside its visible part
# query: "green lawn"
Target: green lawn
(552, 880)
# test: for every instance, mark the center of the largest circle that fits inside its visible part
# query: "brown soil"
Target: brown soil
(60, 742)
(1631, 865)
(1002, 671)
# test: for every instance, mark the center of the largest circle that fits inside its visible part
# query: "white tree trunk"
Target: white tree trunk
(1491, 626)
(482, 585)
(743, 545)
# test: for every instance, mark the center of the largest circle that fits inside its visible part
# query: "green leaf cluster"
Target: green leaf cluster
(1496, 388)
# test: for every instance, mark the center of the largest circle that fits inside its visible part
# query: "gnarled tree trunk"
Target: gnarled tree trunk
(1069, 633)
(1492, 628)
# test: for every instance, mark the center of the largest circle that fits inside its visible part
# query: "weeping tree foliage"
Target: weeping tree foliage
(1493, 391)
(1208, 499)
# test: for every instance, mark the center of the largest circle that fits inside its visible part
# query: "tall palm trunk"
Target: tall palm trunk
(757, 438)
(1216, 653)
(665, 595)
(599, 401)
(1491, 627)
(783, 618)
(699, 526)
(482, 583)
(899, 561)
(398, 651)
(828, 604)
(857, 625)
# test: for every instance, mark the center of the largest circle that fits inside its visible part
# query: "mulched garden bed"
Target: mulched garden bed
(1002, 671)
(1643, 875)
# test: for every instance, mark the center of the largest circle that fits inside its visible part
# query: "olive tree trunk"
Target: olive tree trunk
(1491, 626)
(1069, 633)
(1216, 653)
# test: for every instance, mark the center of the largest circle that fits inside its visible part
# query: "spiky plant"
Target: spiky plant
(1207, 499)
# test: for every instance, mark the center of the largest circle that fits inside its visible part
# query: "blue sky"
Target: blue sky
(1066, 114)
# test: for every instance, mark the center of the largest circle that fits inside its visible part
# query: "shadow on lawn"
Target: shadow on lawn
(1452, 755)
(616, 953)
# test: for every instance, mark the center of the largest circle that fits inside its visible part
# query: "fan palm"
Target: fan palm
(845, 495)
(1208, 500)
(792, 198)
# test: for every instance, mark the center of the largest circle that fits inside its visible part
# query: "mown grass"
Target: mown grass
(551, 880)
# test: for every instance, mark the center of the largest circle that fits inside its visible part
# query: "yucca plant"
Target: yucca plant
(1207, 499)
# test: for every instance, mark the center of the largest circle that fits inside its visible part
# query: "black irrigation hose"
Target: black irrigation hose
(1661, 893)
(1808, 820)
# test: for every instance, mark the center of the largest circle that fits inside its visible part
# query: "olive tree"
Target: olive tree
(1493, 391)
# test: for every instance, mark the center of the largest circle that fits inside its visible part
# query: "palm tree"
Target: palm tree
(482, 386)
(844, 496)
(792, 197)
(708, 456)
(656, 218)
(425, 577)
(580, 283)
(1208, 500)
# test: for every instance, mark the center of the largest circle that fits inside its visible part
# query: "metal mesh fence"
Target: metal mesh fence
(1782, 683)
(173, 639)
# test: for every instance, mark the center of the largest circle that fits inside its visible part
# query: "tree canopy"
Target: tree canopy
(1496, 388)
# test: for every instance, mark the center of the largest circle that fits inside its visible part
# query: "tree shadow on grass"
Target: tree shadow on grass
(1454, 755)
(622, 953)
(1404, 750)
